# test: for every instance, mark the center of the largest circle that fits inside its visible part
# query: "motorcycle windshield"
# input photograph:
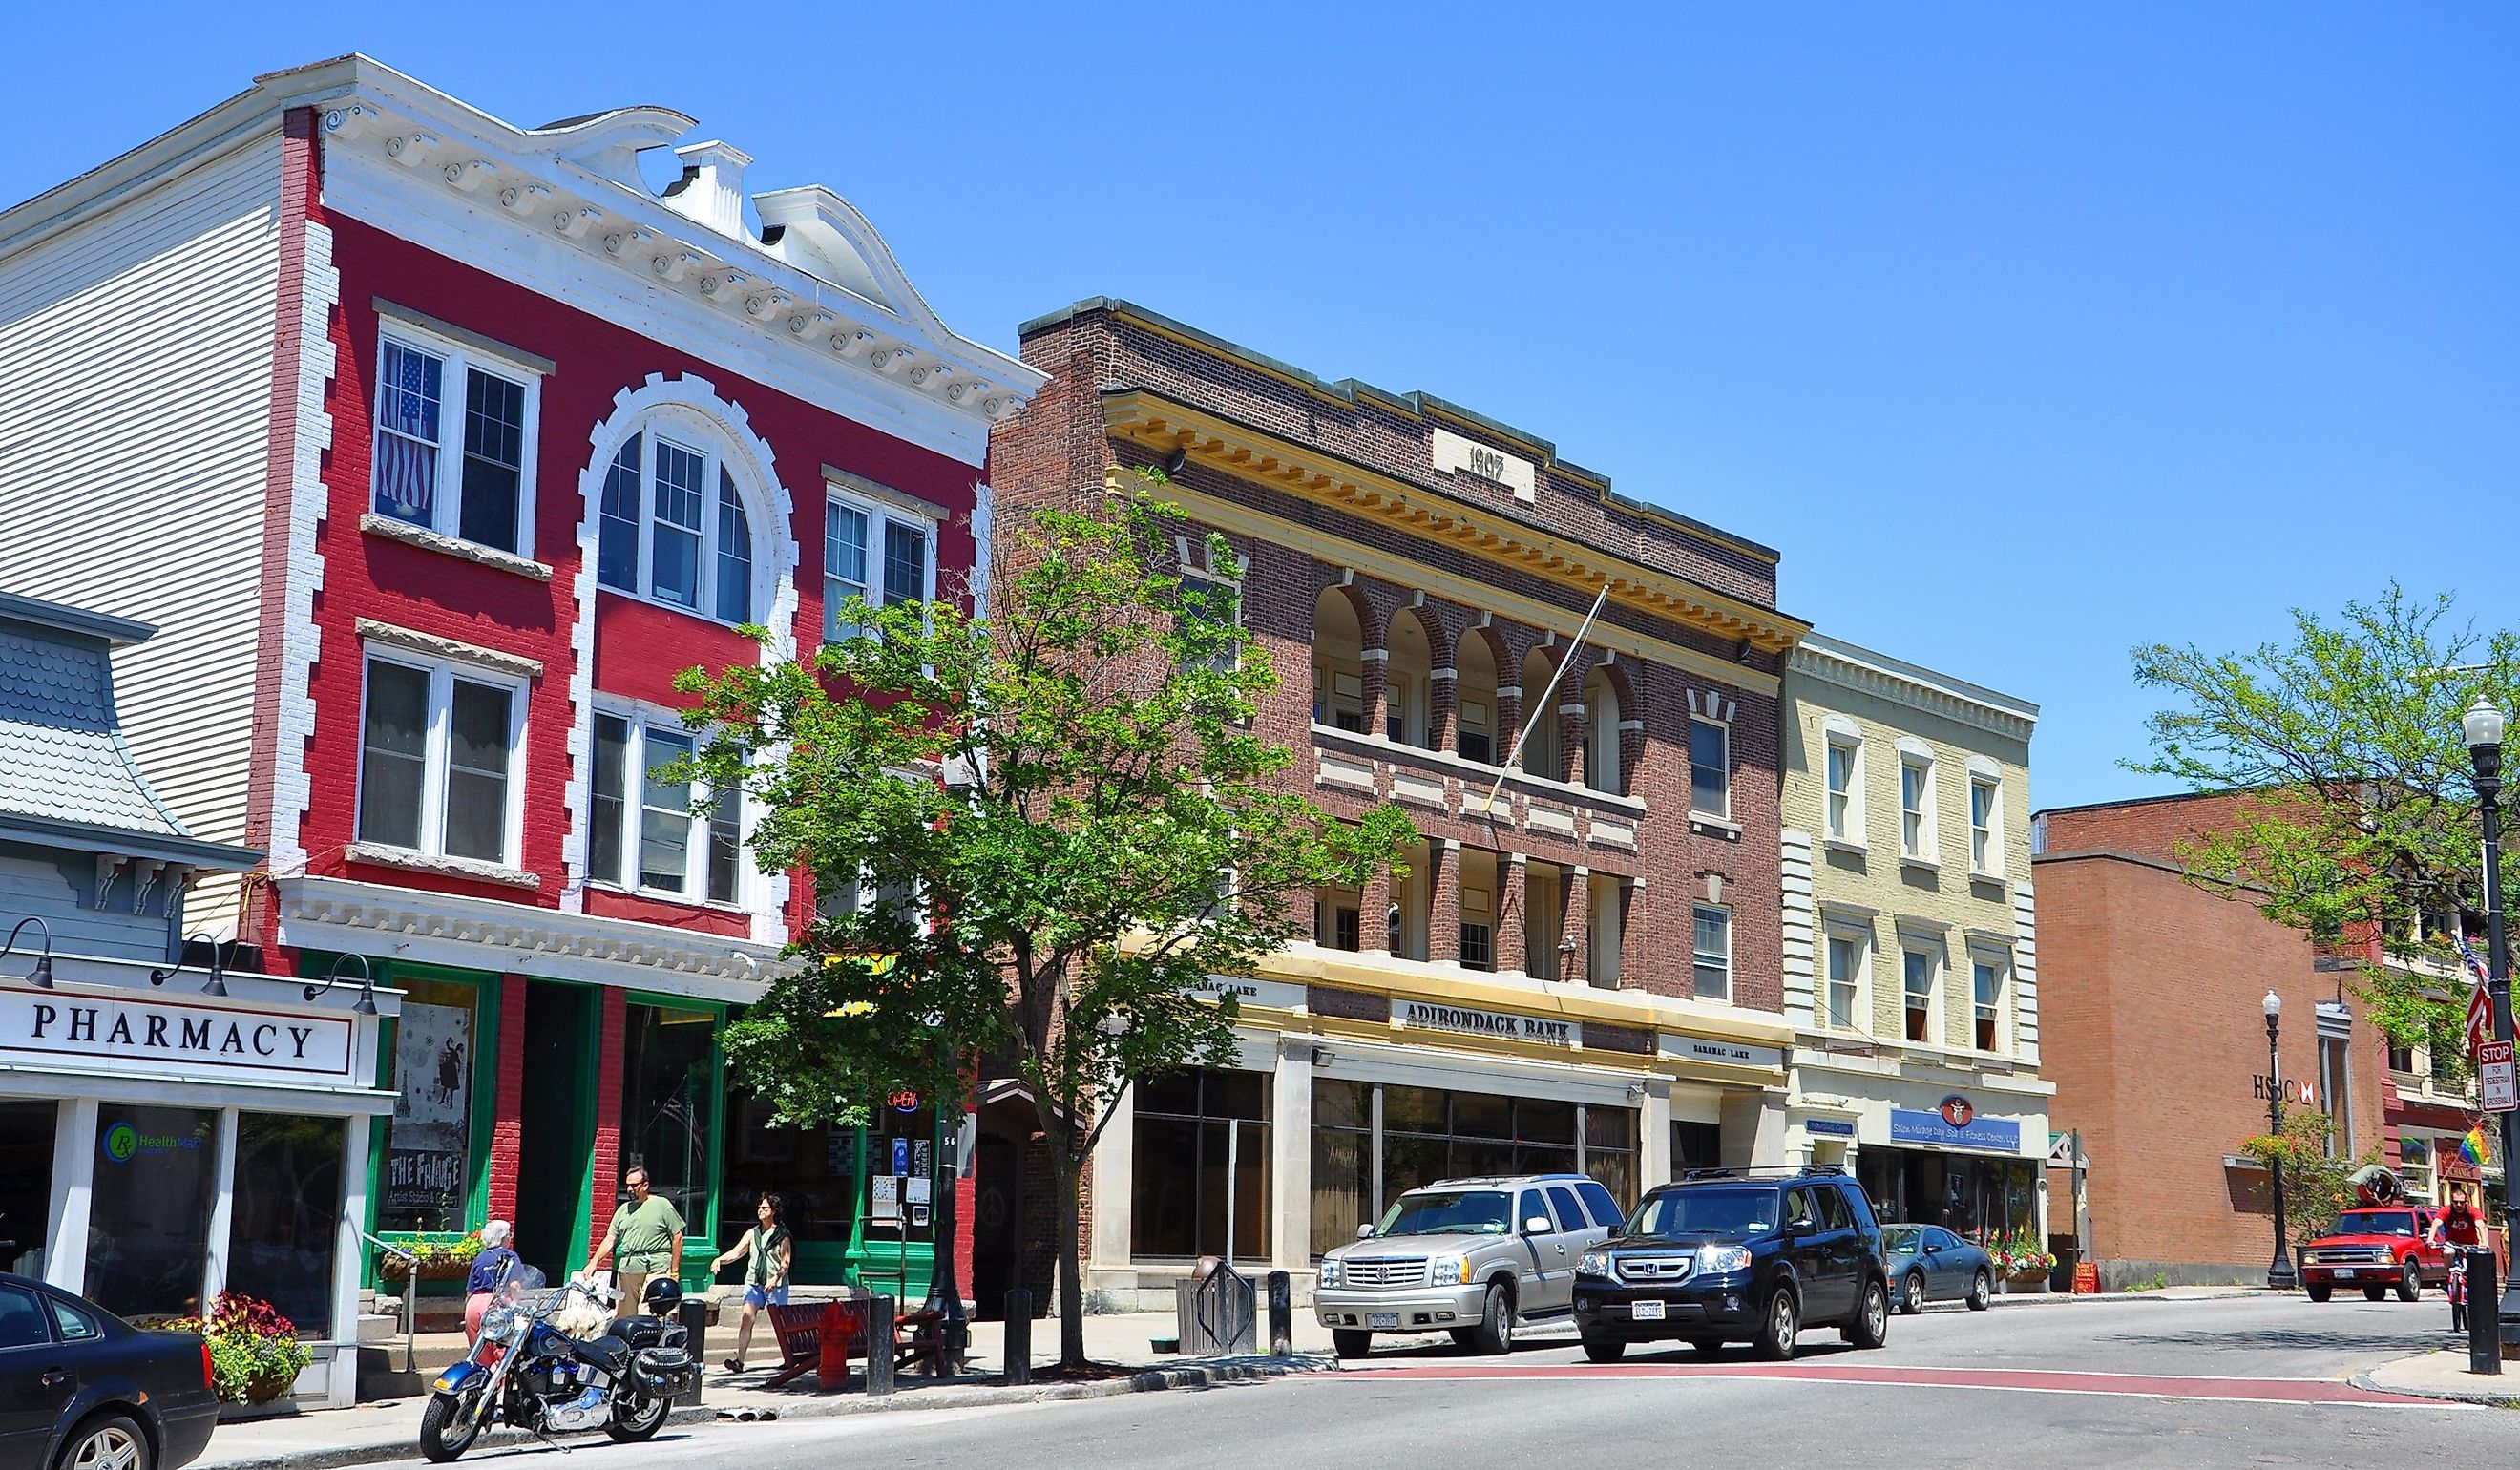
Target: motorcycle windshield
(517, 1280)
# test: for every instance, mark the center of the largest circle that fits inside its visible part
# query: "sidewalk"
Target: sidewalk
(2443, 1374)
(391, 1430)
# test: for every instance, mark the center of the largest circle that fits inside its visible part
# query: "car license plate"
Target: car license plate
(1382, 1319)
(1647, 1312)
(2344, 1270)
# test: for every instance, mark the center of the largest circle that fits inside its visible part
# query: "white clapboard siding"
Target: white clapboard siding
(135, 392)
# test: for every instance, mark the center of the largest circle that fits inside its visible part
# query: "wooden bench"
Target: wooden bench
(821, 1337)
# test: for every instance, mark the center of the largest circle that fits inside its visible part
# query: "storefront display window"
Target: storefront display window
(669, 1089)
(1342, 1161)
(1429, 1133)
(1970, 1195)
(426, 1179)
(25, 1184)
(286, 1217)
(814, 1170)
(148, 1213)
(1202, 1146)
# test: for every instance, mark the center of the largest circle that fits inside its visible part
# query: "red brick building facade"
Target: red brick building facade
(1416, 574)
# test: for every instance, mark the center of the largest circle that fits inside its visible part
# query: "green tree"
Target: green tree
(1069, 782)
(2317, 1186)
(2363, 820)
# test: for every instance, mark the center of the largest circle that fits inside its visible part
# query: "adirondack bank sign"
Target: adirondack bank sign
(139, 1034)
(1496, 1025)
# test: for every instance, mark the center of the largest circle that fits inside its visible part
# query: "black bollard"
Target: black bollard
(2484, 1348)
(693, 1313)
(1282, 1315)
(1018, 1349)
(879, 1345)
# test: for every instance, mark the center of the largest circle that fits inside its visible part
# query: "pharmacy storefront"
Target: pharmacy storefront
(1350, 1091)
(160, 1145)
(1965, 1150)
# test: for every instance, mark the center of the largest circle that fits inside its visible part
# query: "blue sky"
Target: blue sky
(2025, 332)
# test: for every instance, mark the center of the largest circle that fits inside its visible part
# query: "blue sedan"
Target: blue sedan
(1929, 1264)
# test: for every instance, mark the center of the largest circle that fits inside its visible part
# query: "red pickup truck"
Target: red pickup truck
(2378, 1248)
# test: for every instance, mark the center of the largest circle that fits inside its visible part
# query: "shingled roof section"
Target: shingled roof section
(62, 755)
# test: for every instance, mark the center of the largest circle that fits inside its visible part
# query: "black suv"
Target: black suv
(1728, 1254)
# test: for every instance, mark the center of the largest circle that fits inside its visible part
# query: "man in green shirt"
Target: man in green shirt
(647, 1232)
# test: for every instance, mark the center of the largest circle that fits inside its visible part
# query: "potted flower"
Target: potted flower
(444, 1260)
(255, 1355)
(2021, 1259)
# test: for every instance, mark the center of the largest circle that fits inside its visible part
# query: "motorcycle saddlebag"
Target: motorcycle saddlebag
(664, 1372)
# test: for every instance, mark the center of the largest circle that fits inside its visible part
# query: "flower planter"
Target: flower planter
(270, 1387)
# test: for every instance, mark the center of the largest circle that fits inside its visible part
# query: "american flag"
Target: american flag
(407, 431)
(2480, 1001)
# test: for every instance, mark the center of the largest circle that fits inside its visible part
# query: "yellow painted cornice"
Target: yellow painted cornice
(1255, 455)
(1641, 1010)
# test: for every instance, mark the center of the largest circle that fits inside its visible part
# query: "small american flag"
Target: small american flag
(407, 431)
(2480, 1000)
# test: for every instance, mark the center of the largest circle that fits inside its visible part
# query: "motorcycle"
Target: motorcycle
(526, 1374)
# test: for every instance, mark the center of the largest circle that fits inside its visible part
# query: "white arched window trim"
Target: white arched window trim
(679, 521)
(774, 567)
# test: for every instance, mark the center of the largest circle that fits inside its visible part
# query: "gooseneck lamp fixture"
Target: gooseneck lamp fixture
(41, 976)
(217, 985)
(366, 1003)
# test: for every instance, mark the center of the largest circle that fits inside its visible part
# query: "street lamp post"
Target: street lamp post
(2279, 1271)
(2483, 726)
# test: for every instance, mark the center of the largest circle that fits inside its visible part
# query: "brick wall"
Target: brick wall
(506, 1121)
(2152, 828)
(606, 1170)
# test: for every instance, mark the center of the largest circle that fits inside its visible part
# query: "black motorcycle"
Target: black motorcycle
(526, 1374)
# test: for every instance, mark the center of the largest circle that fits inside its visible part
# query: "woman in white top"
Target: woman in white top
(769, 1253)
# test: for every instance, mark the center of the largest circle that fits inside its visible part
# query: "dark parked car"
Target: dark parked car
(1933, 1265)
(82, 1388)
(1728, 1254)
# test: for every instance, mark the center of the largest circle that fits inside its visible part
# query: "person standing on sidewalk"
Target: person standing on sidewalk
(645, 1239)
(769, 1252)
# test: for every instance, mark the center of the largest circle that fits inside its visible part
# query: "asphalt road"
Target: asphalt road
(2115, 1383)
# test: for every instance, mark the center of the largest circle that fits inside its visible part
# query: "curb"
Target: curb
(2490, 1398)
(827, 1407)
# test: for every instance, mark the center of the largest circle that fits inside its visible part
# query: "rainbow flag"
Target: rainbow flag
(2472, 1148)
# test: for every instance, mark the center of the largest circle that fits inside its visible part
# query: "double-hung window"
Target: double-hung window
(873, 552)
(439, 749)
(1845, 790)
(1986, 826)
(1845, 981)
(1987, 998)
(1710, 769)
(1218, 600)
(1712, 956)
(1916, 807)
(673, 528)
(1916, 979)
(454, 435)
(643, 832)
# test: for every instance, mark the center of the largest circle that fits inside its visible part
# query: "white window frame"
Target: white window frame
(1725, 729)
(1925, 846)
(1699, 958)
(1860, 1002)
(1842, 807)
(879, 514)
(457, 362)
(1986, 839)
(438, 751)
(1934, 990)
(640, 718)
(1199, 573)
(693, 434)
(2001, 965)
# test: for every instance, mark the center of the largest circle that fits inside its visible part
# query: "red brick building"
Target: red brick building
(438, 445)
(1589, 976)
(2151, 1002)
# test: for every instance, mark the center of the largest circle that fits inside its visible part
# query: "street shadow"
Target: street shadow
(2306, 1339)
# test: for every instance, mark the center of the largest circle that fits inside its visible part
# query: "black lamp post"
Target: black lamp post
(944, 1291)
(2483, 726)
(2279, 1271)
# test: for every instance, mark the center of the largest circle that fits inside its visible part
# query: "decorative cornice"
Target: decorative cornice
(1146, 418)
(1841, 664)
(489, 934)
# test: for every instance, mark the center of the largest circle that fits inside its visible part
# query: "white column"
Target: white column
(73, 1180)
(344, 1387)
(1653, 1159)
(1114, 1175)
(1291, 1155)
(215, 1274)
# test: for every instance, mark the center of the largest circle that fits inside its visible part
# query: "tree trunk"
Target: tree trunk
(1072, 1275)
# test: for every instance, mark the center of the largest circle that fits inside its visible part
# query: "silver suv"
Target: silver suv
(1471, 1256)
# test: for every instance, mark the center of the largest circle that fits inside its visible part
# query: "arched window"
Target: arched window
(1541, 753)
(673, 526)
(1338, 664)
(1474, 701)
(1600, 733)
(1407, 704)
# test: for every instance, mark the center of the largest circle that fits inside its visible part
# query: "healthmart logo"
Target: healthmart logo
(122, 1141)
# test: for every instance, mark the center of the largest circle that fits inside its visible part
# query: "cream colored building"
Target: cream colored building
(1910, 965)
